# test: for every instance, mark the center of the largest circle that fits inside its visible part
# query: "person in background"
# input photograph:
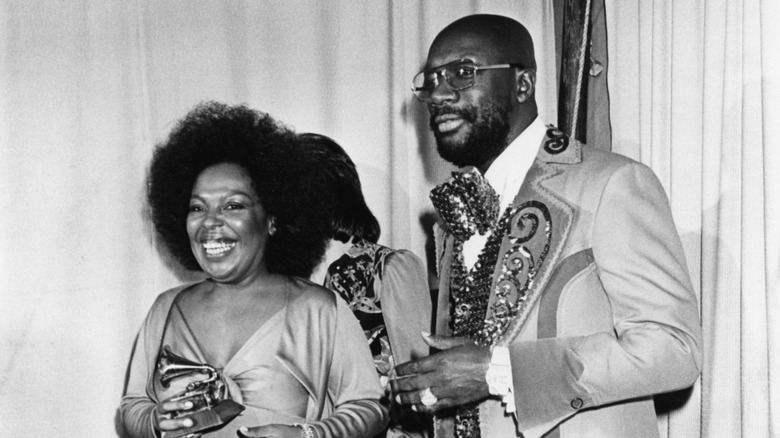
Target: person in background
(564, 300)
(252, 336)
(385, 288)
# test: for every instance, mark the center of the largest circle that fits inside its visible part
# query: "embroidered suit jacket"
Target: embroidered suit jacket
(602, 313)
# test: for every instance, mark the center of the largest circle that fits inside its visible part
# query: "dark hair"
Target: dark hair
(214, 133)
(351, 216)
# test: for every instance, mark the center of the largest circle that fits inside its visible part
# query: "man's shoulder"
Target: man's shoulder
(592, 173)
(599, 164)
(593, 156)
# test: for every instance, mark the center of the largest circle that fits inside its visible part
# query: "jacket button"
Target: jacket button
(576, 403)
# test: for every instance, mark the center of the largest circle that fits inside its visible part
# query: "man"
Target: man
(565, 302)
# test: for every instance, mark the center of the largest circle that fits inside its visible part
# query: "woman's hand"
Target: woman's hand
(271, 431)
(162, 415)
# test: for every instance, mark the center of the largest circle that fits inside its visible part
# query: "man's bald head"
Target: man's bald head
(508, 38)
(474, 123)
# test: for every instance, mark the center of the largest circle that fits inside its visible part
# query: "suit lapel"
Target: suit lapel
(444, 243)
(536, 226)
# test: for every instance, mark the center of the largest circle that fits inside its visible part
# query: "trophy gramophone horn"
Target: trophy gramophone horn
(172, 366)
(211, 405)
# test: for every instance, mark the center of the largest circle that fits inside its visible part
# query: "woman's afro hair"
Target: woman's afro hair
(214, 133)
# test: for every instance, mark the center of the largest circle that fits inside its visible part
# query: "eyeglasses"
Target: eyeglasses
(459, 75)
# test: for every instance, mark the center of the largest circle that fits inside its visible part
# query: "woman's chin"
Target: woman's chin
(221, 274)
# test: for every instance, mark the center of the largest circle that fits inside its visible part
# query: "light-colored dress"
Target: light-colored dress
(307, 364)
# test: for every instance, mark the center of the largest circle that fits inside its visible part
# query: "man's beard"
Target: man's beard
(487, 136)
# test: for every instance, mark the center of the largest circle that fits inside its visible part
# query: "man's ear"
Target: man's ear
(526, 84)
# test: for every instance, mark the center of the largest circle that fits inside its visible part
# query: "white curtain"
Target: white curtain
(695, 94)
(87, 87)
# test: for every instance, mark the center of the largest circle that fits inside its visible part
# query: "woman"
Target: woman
(252, 335)
(386, 289)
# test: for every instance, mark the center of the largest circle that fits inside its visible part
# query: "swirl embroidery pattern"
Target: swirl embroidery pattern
(528, 250)
(473, 317)
(557, 141)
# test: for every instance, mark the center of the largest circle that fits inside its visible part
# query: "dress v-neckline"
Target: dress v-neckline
(251, 340)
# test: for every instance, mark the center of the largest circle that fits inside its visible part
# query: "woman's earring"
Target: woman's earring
(272, 227)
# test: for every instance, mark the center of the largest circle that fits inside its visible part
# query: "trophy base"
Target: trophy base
(219, 415)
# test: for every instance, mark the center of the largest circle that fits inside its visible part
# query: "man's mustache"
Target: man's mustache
(468, 114)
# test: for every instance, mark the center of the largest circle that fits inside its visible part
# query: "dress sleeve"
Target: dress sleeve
(353, 385)
(655, 345)
(406, 304)
(135, 409)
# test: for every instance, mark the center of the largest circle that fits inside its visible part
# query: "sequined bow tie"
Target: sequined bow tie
(466, 203)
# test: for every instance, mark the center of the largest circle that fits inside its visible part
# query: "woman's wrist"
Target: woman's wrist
(153, 422)
(308, 431)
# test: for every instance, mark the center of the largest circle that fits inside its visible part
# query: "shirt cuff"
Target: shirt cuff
(499, 377)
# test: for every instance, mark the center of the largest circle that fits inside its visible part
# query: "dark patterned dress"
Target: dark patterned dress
(387, 290)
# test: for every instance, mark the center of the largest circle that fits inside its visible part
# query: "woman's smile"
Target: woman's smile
(218, 248)
(228, 227)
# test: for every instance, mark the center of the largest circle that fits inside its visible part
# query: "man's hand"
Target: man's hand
(455, 375)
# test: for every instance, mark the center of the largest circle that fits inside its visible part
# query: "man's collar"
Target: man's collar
(523, 146)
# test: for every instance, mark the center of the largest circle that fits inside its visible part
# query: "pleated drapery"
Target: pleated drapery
(695, 94)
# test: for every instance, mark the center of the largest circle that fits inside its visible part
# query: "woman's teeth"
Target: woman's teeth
(216, 248)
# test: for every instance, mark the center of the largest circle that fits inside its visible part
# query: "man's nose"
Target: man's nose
(442, 92)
